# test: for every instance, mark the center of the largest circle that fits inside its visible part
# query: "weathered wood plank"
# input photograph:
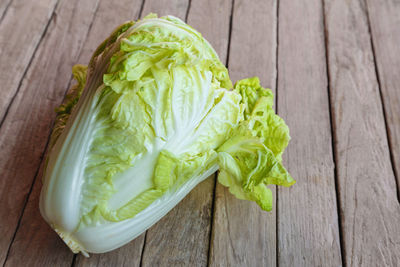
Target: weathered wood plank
(35, 243)
(212, 19)
(370, 211)
(182, 236)
(21, 29)
(308, 232)
(253, 41)
(128, 255)
(24, 132)
(60, 49)
(243, 234)
(175, 8)
(4, 5)
(108, 16)
(384, 18)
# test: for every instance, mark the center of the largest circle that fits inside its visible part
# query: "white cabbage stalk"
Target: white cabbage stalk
(150, 118)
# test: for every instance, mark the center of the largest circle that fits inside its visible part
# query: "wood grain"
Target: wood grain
(108, 16)
(212, 19)
(35, 243)
(25, 130)
(4, 5)
(252, 53)
(354, 62)
(21, 30)
(308, 229)
(385, 20)
(368, 202)
(59, 51)
(177, 8)
(181, 238)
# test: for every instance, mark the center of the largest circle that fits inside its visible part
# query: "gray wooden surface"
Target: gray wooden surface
(335, 68)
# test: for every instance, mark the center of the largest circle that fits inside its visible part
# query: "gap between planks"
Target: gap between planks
(358, 184)
(227, 62)
(140, 16)
(43, 155)
(44, 152)
(216, 174)
(6, 113)
(277, 112)
(384, 111)
(26, 200)
(69, 84)
(7, 109)
(333, 138)
(5, 11)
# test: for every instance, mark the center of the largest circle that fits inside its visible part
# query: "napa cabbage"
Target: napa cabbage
(152, 115)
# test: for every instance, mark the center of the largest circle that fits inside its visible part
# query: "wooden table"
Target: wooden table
(335, 69)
